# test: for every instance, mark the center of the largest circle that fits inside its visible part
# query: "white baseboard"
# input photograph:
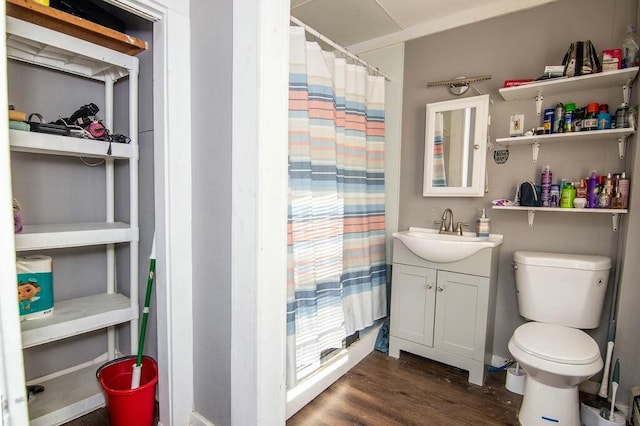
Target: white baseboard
(198, 420)
(314, 385)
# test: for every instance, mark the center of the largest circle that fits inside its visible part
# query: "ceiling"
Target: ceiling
(365, 25)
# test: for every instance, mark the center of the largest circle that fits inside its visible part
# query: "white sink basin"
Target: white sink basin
(442, 248)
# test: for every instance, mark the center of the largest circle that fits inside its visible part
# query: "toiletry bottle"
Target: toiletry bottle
(630, 46)
(616, 202)
(592, 191)
(483, 225)
(581, 190)
(567, 196)
(569, 112)
(558, 118)
(554, 197)
(623, 189)
(604, 198)
(604, 118)
(545, 185)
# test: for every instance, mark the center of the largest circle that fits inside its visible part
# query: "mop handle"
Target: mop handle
(147, 301)
(145, 311)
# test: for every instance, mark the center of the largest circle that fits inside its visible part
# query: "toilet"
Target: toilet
(559, 294)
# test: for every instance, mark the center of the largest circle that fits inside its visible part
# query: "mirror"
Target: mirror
(455, 147)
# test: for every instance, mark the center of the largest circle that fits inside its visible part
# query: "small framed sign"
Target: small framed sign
(516, 125)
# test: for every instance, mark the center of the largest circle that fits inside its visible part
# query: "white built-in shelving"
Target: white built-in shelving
(537, 90)
(74, 392)
(531, 211)
(622, 78)
(599, 136)
(557, 86)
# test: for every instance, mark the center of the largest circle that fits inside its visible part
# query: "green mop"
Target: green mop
(137, 367)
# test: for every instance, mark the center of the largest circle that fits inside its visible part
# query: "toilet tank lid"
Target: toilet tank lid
(563, 260)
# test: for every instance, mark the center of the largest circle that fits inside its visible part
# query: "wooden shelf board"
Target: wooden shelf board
(66, 397)
(28, 10)
(77, 316)
(42, 143)
(42, 237)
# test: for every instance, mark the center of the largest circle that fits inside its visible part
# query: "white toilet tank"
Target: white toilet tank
(560, 288)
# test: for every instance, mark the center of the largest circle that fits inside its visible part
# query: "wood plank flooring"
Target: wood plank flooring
(410, 391)
(383, 391)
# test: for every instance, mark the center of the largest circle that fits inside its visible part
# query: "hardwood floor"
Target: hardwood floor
(383, 391)
(410, 391)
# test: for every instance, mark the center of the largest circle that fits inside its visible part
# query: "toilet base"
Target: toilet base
(546, 405)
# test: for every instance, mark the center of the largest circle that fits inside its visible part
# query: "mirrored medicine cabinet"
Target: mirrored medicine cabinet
(456, 147)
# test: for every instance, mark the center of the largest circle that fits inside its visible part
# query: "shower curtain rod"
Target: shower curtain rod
(339, 48)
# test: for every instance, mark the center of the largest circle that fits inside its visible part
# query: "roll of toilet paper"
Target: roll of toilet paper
(516, 380)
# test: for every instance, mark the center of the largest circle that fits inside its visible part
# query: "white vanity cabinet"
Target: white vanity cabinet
(444, 311)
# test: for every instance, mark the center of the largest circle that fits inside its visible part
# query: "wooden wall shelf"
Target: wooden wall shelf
(36, 13)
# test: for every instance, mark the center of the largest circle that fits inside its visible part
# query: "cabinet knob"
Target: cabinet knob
(440, 288)
(429, 286)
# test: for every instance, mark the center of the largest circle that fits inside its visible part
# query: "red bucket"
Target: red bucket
(126, 406)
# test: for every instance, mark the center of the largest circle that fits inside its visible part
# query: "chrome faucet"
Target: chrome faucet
(446, 224)
(447, 215)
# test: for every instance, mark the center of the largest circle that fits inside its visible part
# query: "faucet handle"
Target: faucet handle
(443, 226)
(459, 226)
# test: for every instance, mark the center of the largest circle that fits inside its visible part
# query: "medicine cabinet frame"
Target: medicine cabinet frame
(472, 114)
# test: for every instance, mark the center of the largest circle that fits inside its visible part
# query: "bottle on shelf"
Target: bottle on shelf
(581, 190)
(567, 196)
(623, 189)
(569, 113)
(605, 195)
(630, 48)
(604, 118)
(621, 116)
(558, 118)
(590, 121)
(545, 186)
(592, 191)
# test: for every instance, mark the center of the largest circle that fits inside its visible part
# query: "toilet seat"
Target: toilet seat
(556, 343)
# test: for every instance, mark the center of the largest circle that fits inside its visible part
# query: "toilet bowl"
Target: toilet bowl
(557, 359)
(559, 294)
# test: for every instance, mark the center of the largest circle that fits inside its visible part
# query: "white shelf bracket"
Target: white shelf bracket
(531, 214)
(622, 143)
(626, 90)
(539, 99)
(615, 217)
(536, 149)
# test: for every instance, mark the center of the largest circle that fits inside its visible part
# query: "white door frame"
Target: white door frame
(172, 188)
(12, 381)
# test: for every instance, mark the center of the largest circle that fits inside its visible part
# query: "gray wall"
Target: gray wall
(515, 46)
(211, 78)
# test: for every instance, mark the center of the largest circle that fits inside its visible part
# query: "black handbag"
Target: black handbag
(581, 59)
(528, 195)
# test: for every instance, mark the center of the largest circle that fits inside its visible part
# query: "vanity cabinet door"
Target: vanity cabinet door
(413, 303)
(461, 314)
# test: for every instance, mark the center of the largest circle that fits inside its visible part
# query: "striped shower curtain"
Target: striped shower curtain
(336, 240)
